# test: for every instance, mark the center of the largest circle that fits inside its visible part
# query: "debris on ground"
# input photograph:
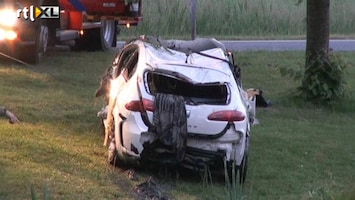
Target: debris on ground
(149, 190)
(131, 174)
(11, 116)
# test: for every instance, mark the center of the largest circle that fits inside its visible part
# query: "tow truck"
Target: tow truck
(29, 27)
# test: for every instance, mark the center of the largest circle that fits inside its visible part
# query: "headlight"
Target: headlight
(7, 34)
(8, 17)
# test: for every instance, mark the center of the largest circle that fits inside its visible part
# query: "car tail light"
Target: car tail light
(140, 105)
(227, 115)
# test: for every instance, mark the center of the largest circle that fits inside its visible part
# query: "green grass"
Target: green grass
(239, 19)
(298, 151)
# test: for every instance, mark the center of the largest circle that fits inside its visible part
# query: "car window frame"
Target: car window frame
(126, 62)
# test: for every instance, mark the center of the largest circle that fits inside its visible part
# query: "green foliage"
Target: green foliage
(232, 187)
(47, 195)
(348, 194)
(235, 19)
(289, 72)
(33, 193)
(299, 2)
(323, 80)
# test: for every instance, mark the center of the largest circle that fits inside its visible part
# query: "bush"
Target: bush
(323, 80)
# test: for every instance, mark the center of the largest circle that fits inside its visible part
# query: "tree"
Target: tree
(323, 76)
(193, 17)
(317, 30)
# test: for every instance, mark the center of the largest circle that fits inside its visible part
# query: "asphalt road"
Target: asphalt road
(280, 45)
(285, 45)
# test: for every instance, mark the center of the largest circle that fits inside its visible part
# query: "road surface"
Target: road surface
(279, 45)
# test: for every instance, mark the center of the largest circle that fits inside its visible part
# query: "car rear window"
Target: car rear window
(207, 93)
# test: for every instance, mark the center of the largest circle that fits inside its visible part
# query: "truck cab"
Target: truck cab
(29, 27)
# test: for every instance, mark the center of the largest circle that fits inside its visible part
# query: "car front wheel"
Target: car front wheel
(33, 53)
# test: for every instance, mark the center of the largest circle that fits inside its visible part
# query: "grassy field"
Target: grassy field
(298, 151)
(239, 19)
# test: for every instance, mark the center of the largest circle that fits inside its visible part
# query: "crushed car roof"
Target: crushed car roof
(157, 56)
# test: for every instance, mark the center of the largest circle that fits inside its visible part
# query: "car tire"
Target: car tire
(34, 53)
(243, 168)
(97, 39)
(240, 171)
(107, 34)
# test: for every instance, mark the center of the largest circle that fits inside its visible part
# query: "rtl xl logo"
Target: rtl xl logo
(43, 12)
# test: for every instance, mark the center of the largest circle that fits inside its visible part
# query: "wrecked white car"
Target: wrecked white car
(179, 102)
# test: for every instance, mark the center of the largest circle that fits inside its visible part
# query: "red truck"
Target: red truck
(29, 27)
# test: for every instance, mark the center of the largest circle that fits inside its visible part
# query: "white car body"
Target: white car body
(207, 137)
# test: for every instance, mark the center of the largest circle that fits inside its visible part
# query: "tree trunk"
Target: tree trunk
(193, 17)
(317, 29)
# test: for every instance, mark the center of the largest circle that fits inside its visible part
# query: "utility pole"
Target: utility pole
(193, 10)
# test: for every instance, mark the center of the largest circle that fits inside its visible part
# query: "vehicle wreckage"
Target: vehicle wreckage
(177, 102)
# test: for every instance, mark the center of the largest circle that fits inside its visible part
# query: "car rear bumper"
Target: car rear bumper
(198, 151)
(193, 158)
